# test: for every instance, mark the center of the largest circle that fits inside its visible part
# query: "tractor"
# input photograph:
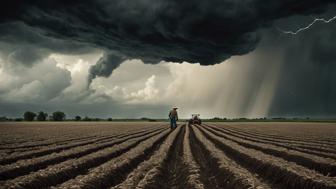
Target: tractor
(195, 119)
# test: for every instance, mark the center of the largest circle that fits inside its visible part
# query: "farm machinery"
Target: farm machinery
(195, 119)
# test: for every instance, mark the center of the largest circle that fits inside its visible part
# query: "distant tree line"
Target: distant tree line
(263, 119)
(43, 116)
(61, 116)
(86, 118)
(56, 116)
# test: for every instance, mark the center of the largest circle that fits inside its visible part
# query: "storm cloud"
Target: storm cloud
(205, 32)
(105, 65)
(26, 45)
(59, 55)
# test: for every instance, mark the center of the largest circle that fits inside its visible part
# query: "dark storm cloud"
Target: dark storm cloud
(26, 55)
(27, 45)
(205, 32)
(105, 65)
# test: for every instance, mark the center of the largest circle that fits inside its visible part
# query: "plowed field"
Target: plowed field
(150, 155)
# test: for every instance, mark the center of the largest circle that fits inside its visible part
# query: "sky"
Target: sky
(133, 59)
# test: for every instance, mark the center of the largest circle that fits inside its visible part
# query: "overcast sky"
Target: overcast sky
(131, 59)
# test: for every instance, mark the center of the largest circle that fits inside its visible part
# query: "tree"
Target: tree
(3, 119)
(96, 119)
(29, 116)
(42, 116)
(58, 116)
(109, 119)
(86, 118)
(18, 119)
(78, 118)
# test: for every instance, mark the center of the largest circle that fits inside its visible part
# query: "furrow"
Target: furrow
(218, 170)
(46, 143)
(313, 144)
(296, 142)
(25, 166)
(172, 172)
(293, 140)
(16, 141)
(276, 170)
(324, 166)
(277, 143)
(31, 147)
(59, 173)
(52, 142)
(116, 170)
(155, 161)
(193, 169)
(35, 153)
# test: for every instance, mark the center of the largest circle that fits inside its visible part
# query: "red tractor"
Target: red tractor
(195, 119)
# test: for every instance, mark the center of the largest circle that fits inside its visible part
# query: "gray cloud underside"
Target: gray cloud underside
(205, 32)
(25, 45)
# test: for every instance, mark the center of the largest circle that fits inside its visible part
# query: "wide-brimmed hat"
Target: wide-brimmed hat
(175, 108)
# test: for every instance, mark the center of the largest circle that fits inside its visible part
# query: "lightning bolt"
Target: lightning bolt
(308, 26)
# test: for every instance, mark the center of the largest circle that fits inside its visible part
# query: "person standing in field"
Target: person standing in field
(173, 117)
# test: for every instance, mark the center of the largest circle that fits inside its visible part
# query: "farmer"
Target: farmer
(173, 118)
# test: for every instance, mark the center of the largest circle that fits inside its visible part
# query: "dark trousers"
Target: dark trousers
(173, 124)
